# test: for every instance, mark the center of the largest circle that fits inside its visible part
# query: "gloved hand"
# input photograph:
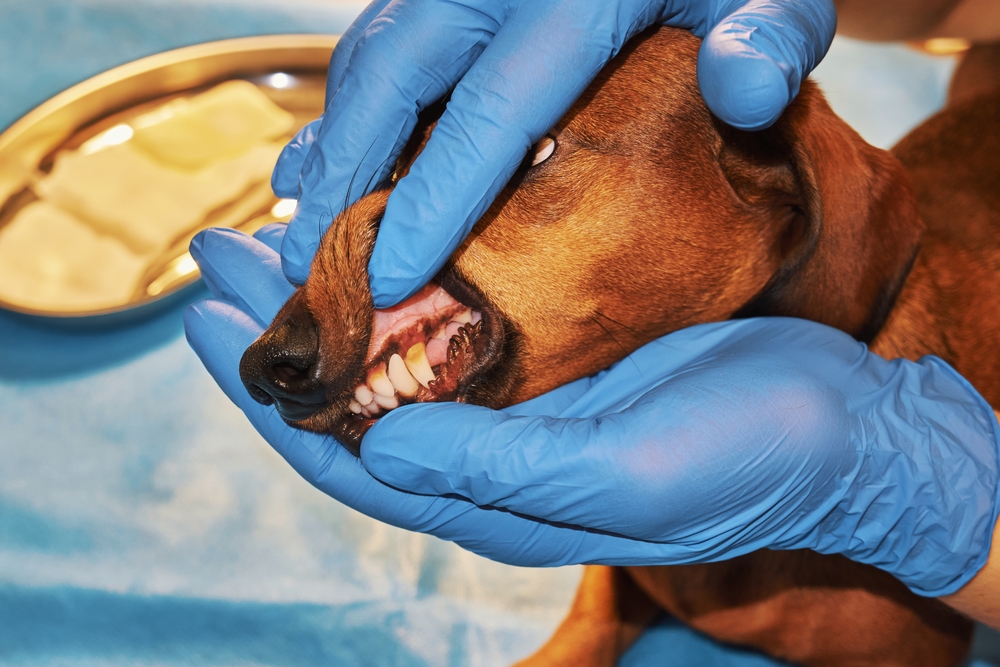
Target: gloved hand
(709, 443)
(516, 67)
(723, 439)
(244, 275)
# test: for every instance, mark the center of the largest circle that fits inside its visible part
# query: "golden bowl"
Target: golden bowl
(289, 69)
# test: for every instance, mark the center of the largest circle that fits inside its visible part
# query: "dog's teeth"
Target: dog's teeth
(418, 365)
(463, 317)
(401, 378)
(387, 402)
(363, 395)
(354, 407)
(365, 412)
(380, 383)
(441, 332)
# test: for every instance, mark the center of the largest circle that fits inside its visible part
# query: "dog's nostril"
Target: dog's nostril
(280, 367)
(289, 384)
(288, 374)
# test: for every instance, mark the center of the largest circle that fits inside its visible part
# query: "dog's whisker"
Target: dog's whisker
(625, 352)
(375, 173)
(689, 242)
(616, 322)
(350, 184)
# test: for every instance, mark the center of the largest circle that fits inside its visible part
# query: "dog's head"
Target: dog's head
(639, 214)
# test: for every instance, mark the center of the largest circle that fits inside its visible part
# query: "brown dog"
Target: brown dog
(640, 214)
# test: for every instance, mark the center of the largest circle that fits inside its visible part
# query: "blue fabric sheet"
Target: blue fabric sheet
(143, 521)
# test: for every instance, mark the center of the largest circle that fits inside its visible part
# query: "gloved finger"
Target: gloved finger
(553, 402)
(243, 271)
(345, 47)
(674, 448)
(219, 333)
(409, 56)
(535, 465)
(285, 177)
(614, 389)
(625, 377)
(524, 81)
(271, 235)
(754, 59)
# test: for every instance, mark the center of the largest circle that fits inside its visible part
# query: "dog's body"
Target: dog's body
(651, 216)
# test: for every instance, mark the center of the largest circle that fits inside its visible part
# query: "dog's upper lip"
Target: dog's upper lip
(430, 302)
(472, 350)
(461, 290)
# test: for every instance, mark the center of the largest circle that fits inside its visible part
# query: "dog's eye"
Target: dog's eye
(542, 150)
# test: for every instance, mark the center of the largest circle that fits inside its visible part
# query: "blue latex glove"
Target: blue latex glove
(708, 443)
(516, 67)
(245, 277)
(726, 438)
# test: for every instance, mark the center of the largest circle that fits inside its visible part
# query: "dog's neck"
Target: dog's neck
(945, 309)
(912, 328)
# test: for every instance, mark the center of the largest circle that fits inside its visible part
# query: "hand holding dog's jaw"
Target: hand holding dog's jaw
(248, 289)
(415, 448)
(401, 57)
(649, 451)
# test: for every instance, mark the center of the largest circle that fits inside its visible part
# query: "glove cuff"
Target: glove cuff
(925, 498)
(973, 536)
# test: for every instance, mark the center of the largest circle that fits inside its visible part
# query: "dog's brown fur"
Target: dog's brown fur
(652, 216)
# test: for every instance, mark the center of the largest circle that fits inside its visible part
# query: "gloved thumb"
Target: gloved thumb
(285, 177)
(753, 61)
(534, 465)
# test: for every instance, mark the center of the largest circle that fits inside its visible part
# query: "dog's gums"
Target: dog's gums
(415, 350)
(429, 348)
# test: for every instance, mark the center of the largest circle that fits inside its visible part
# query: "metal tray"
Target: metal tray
(289, 69)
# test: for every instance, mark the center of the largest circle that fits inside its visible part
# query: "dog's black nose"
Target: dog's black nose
(280, 368)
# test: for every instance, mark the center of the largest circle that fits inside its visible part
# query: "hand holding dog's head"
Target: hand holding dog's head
(640, 214)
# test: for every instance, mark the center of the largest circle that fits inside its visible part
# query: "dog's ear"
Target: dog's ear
(853, 231)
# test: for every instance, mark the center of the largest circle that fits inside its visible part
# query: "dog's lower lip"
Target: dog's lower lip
(293, 411)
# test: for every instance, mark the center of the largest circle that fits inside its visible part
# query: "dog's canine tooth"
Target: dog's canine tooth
(463, 317)
(401, 379)
(418, 365)
(354, 407)
(380, 383)
(363, 394)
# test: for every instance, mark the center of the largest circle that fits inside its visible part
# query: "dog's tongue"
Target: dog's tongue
(430, 303)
